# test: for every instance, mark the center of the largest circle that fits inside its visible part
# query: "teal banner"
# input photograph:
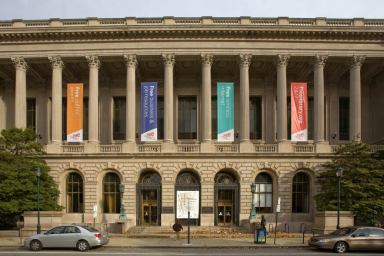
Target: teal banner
(225, 112)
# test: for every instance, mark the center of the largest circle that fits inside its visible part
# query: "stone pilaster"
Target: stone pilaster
(282, 62)
(131, 64)
(319, 63)
(206, 87)
(93, 123)
(57, 97)
(169, 62)
(21, 67)
(355, 98)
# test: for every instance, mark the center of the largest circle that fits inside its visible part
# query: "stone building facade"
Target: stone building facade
(340, 59)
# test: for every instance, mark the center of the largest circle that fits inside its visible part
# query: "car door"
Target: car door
(71, 236)
(53, 237)
(376, 238)
(359, 239)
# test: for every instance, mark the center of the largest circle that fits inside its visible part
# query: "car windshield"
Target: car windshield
(343, 231)
(90, 229)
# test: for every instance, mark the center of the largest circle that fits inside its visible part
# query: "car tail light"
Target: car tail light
(98, 235)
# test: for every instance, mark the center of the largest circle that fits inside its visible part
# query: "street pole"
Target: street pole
(38, 173)
(189, 225)
(189, 228)
(339, 173)
(338, 202)
(274, 239)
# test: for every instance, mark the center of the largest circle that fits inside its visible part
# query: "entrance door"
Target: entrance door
(149, 213)
(225, 203)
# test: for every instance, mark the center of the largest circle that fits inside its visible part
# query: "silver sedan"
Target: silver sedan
(70, 236)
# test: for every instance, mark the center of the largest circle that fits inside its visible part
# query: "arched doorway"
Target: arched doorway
(149, 199)
(187, 186)
(226, 199)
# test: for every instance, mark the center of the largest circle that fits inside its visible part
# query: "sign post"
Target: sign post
(94, 213)
(277, 212)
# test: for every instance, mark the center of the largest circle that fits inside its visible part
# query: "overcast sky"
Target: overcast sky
(45, 9)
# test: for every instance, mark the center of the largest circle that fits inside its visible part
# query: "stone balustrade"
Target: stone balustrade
(250, 21)
(259, 148)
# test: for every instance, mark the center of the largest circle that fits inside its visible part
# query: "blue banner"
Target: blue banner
(225, 112)
(149, 111)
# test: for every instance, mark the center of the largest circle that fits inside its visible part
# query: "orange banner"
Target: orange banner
(299, 109)
(75, 113)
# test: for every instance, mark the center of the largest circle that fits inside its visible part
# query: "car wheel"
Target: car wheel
(35, 245)
(341, 247)
(82, 245)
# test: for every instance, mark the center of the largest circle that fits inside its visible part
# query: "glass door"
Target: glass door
(149, 208)
(225, 208)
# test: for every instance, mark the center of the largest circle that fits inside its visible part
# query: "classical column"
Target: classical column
(319, 63)
(282, 62)
(206, 115)
(20, 92)
(131, 64)
(57, 96)
(169, 62)
(355, 98)
(93, 121)
(245, 61)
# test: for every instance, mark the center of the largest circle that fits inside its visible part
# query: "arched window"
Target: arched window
(300, 193)
(75, 199)
(264, 193)
(111, 193)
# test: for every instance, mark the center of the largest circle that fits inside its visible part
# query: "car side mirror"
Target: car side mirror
(353, 235)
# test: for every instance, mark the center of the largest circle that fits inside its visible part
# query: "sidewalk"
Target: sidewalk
(171, 242)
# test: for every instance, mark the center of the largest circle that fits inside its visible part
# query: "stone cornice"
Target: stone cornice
(169, 28)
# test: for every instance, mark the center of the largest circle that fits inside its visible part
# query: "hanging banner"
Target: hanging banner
(187, 201)
(299, 110)
(149, 111)
(225, 115)
(74, 112)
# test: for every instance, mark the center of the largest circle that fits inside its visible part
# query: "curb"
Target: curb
(2, 247)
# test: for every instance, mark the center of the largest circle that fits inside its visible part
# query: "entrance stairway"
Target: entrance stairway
(196, 232)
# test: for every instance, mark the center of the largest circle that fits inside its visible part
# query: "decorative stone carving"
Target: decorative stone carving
(169, 59)
(282, 60)
(130, 60)
(357, 61)
(206, 59)
(320, 60)
(245, 60)
(56, 62)
(19, 63)
(93, 61)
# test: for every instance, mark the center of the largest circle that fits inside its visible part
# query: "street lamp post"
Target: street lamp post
(38, 226)
(122, 215)
(339, 174)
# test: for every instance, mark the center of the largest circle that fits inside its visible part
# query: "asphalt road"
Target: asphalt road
(181, 251)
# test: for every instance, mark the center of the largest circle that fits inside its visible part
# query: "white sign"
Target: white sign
(94, 212)
(278, 205)
(187, 201)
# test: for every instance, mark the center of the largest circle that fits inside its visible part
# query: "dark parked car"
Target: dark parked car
(350, 238)
(69, 236)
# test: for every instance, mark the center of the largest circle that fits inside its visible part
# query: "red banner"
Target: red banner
(299, 110)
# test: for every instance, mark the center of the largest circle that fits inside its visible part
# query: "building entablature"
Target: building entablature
(168, 28)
